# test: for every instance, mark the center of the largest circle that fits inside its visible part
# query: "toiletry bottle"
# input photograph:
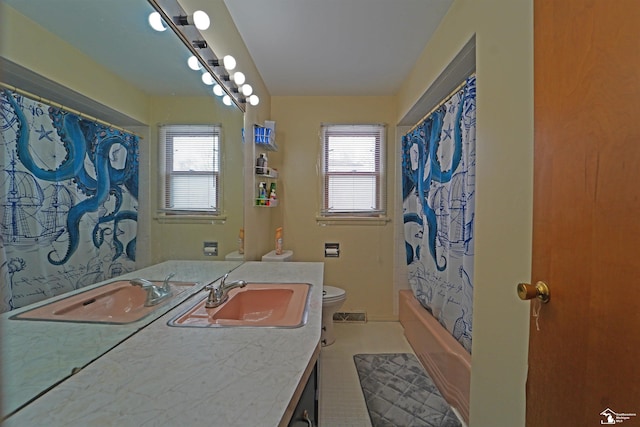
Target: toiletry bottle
(272, 191)
(241, 241)
(262, 193)
(279, 241)
(265, 167)
(260, 164)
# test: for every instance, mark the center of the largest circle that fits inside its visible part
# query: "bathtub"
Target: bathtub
(444, 358)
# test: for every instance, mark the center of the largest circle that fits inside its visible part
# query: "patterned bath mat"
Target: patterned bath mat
(399, 393)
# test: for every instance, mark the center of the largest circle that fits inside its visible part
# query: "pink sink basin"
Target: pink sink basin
(281, 305)
(116, 302)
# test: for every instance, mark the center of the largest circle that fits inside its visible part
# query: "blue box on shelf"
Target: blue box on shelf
(262, 135)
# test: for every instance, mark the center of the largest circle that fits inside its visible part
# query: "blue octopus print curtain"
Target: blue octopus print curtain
(438, 189)
(68, 201)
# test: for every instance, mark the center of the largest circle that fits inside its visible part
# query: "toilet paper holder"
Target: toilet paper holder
(331, 250)
(210, 248)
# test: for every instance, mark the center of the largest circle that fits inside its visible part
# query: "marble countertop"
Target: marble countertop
(164, 375)
(37, 355)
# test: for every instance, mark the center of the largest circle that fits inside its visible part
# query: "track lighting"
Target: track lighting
(199, 18)
(156, 22)
(194, 63)
(207, 79)
(216, 72)
(228, 62)
(238, 78)
(217, 90)
(253, 100)
(246, 89)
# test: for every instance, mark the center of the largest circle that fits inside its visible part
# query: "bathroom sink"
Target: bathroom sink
(281, 305)
(116, 302)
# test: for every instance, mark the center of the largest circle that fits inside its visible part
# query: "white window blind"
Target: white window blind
(353, 178)
(190, 165)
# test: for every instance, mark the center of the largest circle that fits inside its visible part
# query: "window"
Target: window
(353, 177)
(190, 161)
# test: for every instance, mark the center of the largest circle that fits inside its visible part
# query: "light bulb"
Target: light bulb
(226, 100)
(238, 77)
(201, 20)
(254, 100)
(217, 89)
(155, 21)
(207, 79)
(246, 90)
(229, 62)
(193, 63)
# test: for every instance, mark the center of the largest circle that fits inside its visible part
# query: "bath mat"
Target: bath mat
(399, 392)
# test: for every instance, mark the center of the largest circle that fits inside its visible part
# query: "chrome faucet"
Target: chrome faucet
(155, 294)
(219, 295)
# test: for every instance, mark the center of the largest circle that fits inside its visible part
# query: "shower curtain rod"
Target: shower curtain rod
(68, 109)
(439, 104)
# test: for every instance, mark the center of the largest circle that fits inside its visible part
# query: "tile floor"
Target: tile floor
(341, 400)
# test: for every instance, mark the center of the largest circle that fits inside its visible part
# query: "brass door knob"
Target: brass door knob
(540, 290)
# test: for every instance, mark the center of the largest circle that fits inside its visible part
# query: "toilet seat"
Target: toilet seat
(332, 294)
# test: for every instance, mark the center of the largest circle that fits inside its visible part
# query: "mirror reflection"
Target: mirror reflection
(98, 60)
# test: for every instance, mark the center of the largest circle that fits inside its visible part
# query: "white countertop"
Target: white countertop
(164, 376)
(36, 355)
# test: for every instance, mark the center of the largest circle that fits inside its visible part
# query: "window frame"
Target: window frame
(379, 173)
(166, 135)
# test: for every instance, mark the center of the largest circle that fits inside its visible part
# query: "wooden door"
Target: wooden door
(585, 358)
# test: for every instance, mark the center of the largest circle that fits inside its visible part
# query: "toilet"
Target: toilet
(332, 300)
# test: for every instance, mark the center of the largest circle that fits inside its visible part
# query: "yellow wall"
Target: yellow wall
(21, 42)
(504, 49)
(181, 240)
(60, 62)
(504, 185)
(365, 266)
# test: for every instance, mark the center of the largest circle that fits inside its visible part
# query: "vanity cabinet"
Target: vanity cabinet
(306, 412)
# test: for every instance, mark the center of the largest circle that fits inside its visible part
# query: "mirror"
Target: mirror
(115, 35)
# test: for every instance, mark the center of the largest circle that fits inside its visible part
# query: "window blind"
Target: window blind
(190, 168)
(353, 177)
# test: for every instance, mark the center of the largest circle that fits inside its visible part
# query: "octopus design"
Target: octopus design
(422, 172)
(87, 142)
(427, 140)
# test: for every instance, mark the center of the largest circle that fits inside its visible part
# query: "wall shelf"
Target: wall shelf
(266, 203)
(264, 138)
(271, 173)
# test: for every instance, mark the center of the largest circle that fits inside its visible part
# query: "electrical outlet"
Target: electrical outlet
(210, 248)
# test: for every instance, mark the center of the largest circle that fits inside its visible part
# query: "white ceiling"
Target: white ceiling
(335, 47)
(300, 47)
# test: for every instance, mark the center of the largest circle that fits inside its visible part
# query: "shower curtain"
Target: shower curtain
(438, 189)
(68, 201)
